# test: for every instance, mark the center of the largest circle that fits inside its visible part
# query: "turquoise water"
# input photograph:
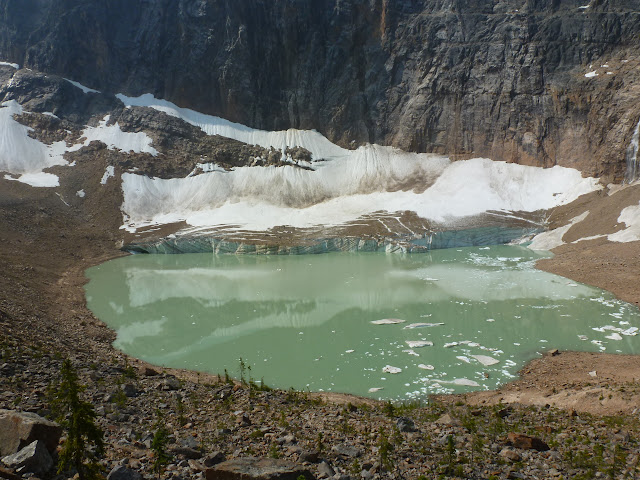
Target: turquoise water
(306, 321)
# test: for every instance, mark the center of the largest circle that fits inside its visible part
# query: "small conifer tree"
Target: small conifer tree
(85, 442)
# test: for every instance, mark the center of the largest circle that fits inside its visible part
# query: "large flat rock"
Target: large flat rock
(19, 429)
(253, 468)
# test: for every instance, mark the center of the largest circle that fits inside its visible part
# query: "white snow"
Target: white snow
(591, 74)
(23, 155)
(311, 140)
(350, 184)
(37, 179)
(14, 65)
(26, 157)
(347, 188)
(630, 216)
(80, 193)
(108, 173)
(82, 87)
(553, 238)
(115, 138)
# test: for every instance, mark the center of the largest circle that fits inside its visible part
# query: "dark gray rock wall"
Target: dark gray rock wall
(504, 79)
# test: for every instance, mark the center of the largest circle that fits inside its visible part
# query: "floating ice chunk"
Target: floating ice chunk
(419, 343)
(485, 360)
(491, 319)
(375, 389)
(411, 352)
(461, 381)
(82, 87)
(80, 193)
(450, 344)
(614, 336)
(108, 173)
(426, 367)
(422, 325)
(349, 351)
(463, 358)
(633, 331)
(391, 369)
(583, 337)
(14, 65)
(387, 321)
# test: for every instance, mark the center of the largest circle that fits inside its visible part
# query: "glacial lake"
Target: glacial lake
(387, 326)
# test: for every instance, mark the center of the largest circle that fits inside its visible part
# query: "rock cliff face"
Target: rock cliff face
(503, 79)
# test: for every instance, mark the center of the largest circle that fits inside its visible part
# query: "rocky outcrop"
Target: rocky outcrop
(504, 79)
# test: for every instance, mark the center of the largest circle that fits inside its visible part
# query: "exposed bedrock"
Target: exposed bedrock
(503, 79)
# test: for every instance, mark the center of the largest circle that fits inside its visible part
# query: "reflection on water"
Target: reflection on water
(467, 318)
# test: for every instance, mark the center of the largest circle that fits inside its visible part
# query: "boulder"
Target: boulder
(19, 429)
(405, 424)
(527, 442)
(254, 468)
(33, 458)
(123, 473)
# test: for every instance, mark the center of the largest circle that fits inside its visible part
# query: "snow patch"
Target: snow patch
(630, 216)
(14, 65)
(37, 179)
(108, 173)
(591, 74)
(82, 87)
(553, 238)
(115, 138)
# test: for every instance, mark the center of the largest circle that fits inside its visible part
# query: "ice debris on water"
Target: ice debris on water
(419, 343)
(375, 389)
(411, 351)
(426, 367)
(450, 344)
(387, 321)
(391, 369)
(422, 325)
(485, 360)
